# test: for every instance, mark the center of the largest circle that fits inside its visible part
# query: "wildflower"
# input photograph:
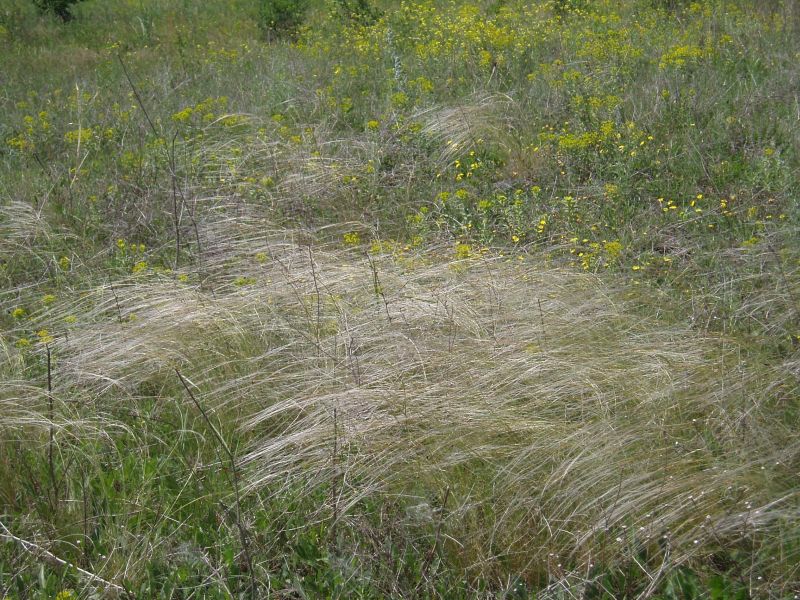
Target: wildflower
(64, 263)
(541, 226)
(18, 312)
(613, 248)
(23, 343)
(44, 336)
(352, 238)
(463, 251)
(183, 115)
(79, 135)
(70, 319)
(611, 190)
(373, 125)
(48, 299)
(400, 100)
(139, 267)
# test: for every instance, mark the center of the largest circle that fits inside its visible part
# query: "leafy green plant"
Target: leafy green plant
(359, 11)
(61, 8)
(282, 18)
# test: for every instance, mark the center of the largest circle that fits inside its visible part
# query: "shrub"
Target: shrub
(61, 8)
(282, 18)
(360, 11)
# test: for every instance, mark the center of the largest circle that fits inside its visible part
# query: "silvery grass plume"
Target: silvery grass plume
(23, 232)
(21, 224)
(460, 128)
(565, 428)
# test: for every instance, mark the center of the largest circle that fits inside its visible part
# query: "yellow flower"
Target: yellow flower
(373, 125)
(139, 267)
(351, 239)
(613, 248)
(463, 251)
(183, 115)
(23, 343)
(611, 190)
(44, 336)
(48, 299)
(18, 312)
(64, 263)
(79, 135)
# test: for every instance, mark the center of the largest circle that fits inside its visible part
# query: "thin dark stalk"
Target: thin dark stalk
(243, 535)
(377, 288)
(351, 352)
(334, 459)
(116, 302)
(138, 97)
(451, 339)
(175, 214)
(432, 552)
(85, 495)
(785, 280)
(51, 416)
(541, 320)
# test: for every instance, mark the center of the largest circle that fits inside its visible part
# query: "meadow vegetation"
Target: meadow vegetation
(400, 299)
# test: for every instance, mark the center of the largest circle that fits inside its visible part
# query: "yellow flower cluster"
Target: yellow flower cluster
(202, 112)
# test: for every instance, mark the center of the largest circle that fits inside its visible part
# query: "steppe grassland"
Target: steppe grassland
(507, 304)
